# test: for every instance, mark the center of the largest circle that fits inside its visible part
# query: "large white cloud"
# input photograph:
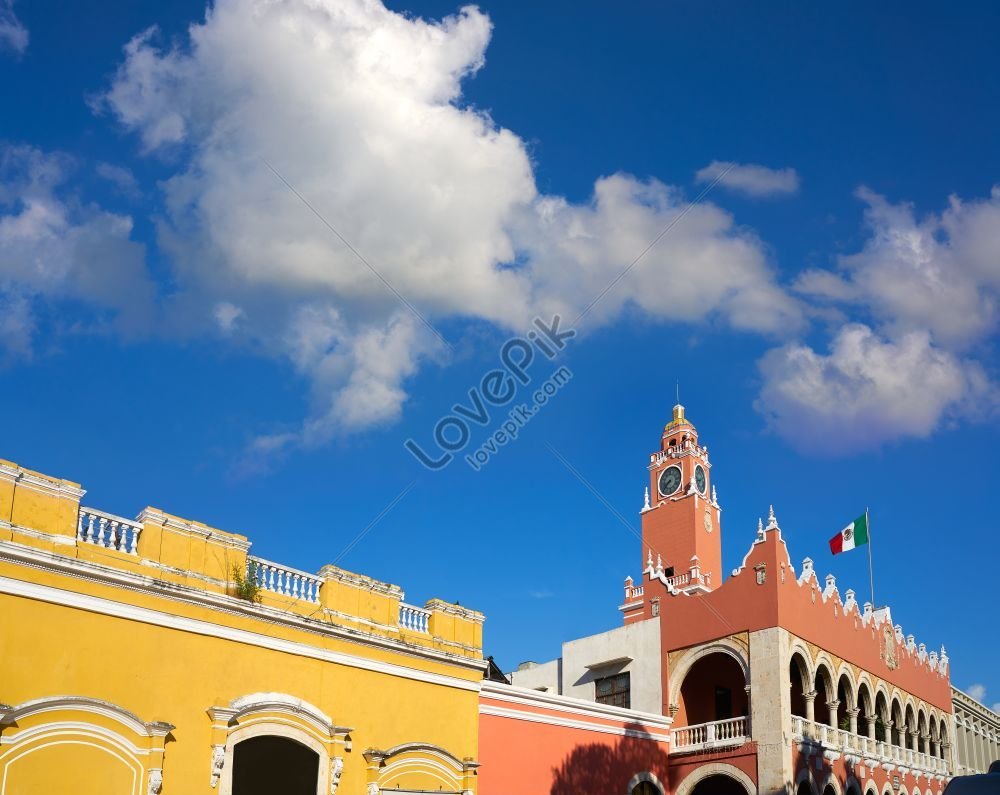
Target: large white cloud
(868, 390)
(930, 289)
(360, 110)
(55, 248)
(940, 273)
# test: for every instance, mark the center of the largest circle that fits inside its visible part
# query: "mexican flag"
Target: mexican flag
(854, 535)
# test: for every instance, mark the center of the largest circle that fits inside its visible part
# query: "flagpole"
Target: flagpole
(871, 575)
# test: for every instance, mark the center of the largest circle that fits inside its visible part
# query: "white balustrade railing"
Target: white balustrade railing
(107, 530)
(283, 580)
(413, 618)
(634, 591)
(847, 742)
(679, 580)
(714, 734)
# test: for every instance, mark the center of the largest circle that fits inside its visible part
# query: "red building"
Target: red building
(770, 680)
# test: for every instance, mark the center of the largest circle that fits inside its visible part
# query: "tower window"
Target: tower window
(614, 690)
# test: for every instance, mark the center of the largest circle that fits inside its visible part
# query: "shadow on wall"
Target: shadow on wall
(602, 769)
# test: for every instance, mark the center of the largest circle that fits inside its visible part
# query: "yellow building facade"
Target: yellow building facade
(157, 655)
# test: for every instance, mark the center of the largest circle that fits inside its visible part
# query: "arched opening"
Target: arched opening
(910, 737)
(923, 741)
(823, 685)
(268, 764)
(829, 789)
(866, 708)
(645, 788)
(881, 718)
(798, 676)
(714, 688)
(719, 784)
(803, 788)
(845, 702)
(942, 740)
(898, 727)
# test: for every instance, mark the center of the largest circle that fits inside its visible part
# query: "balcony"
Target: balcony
(709, 736)
(875, 753)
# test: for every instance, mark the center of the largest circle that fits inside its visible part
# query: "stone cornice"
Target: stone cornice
(222, 603)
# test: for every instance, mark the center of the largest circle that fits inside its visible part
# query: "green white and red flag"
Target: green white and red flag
(854, 535)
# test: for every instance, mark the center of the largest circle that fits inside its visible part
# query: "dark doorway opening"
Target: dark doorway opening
(719, 785)
(274, 766)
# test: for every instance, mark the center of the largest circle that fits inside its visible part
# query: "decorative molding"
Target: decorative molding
(145, 615)
(128, 581)
(336, 771)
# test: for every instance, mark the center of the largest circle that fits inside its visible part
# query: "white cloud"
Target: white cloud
(867, 390)
(941, 273)
(226, 315)
(55, 248)
(749, 178)
(931, 290)
(360, 109)
(17, 327)
(977, 691)
(119, 176)
(13, 34)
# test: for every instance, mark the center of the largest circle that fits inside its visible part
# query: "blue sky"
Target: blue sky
(177, 328)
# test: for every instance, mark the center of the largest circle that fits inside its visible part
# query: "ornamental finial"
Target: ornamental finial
(772, 521)
(645, 503)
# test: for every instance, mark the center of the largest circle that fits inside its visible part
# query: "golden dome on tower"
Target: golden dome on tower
(678, 420)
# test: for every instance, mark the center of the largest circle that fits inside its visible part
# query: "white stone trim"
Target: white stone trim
(686, 787)
(94, 706)
(568, 723)
(575, 706)
(145, 615)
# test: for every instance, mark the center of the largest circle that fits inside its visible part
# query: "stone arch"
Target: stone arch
(870, 788)
(645, 777)
(686, 787)
(421, 767)
(910, 721)
(897, 718)
(48, 741)
(805, 776)
(691, 656)
(800, 648)
(845, 672)
(800, 679)
(833, 782)
(853, 786)
(825, 689)
(923, 731)
(846, 693)
(278, 715)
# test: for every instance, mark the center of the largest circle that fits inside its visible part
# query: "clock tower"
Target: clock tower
(681, 532)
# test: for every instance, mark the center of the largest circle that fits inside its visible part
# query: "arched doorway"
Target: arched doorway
(714, 688)
(645, 788)
(268, 764)
(718, 785)
(798, 676)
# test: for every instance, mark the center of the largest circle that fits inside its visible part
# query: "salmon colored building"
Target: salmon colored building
(772, 680)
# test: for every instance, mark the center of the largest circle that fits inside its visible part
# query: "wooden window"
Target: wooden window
(614, 690)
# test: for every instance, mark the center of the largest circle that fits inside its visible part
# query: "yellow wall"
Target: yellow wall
(152, 634)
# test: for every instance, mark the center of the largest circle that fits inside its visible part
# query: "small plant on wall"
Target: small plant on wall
(245, 585)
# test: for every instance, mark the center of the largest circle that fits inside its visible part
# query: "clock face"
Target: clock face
(670, 480)
(699, 478)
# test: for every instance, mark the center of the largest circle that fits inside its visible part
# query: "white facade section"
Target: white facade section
(633, 648)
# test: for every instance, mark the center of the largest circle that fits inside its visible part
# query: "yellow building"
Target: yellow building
(157, 655)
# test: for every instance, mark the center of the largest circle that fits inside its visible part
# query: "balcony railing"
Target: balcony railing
(848, 743)
(283, 580)
(633, 591)
(705, 736)
(107, 530)
(413, 618)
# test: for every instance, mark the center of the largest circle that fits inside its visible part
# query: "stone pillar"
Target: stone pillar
(888, 733)
(870, 720)
(810, 699)
(831, 718)
(852, 714)
(770, 703)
